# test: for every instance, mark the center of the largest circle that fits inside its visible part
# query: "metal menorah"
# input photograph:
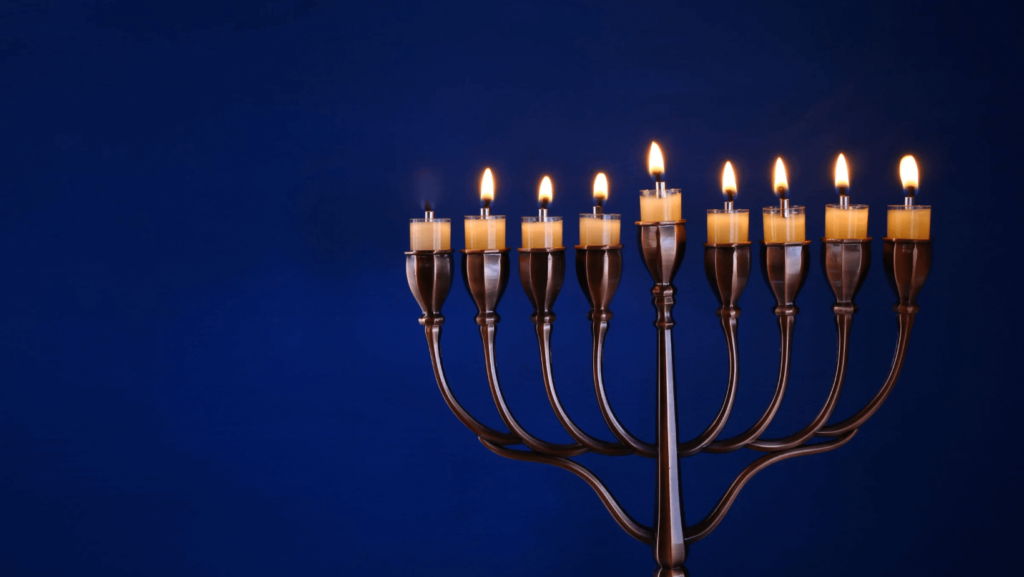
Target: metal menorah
(662, 244)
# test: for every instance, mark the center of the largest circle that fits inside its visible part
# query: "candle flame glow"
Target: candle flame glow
(908, 172)
(487, 186)
(842, 173)
(728, 179)
(547, 190)
(601, 186)
(781, 184)
(655, 162)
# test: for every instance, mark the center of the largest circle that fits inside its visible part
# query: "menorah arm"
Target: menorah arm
(594, 444)
(786, 324)
(488, 332)
(844, 321)
(906, 323)
(641, 448)
(433, 333)
(640, 532)
(705, 526)
(730, 326)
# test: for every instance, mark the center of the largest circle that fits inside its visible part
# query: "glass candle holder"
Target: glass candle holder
(542, 232)
(912, 222)
(661, 206)
(728, 226)
(842, 222)
(485, 232)
(432, 234)
(784, 225)
(599, 229)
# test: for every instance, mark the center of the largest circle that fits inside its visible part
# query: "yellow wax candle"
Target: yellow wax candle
(599, 229)
(655, 208)
(910, 222)
(728, 226)
(546, 233)
(430, 234)
(849, 221)
(784, 226)
(485, 232)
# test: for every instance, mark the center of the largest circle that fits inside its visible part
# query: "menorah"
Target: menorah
(784, 266)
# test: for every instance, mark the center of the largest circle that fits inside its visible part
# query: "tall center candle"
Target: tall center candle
(659, 204)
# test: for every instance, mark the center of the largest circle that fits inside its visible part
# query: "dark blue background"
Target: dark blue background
(209, 357)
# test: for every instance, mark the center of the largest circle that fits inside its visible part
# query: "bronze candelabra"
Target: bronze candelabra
(598, 269)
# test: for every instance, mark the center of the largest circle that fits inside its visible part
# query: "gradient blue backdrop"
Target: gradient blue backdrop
(209, 358)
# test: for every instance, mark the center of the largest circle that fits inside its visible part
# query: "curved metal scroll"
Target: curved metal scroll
(636, 530)
(705, 526)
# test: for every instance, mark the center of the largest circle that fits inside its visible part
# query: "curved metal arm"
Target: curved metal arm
(843, 323)
(433, 332)
(487, 335)
(786, 324)
(640, 532)
(596, 445)
(730, 326)
(641, 448)
(906, 323)
(705, 526)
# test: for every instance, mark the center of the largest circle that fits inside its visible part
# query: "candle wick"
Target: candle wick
(599, 207)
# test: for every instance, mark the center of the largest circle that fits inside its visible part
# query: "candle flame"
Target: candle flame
(655, 162)
(908, 172)
(781, 184)
(487, 185)
(842, 173)
(601, 186)
(728, 179)
(547, 190)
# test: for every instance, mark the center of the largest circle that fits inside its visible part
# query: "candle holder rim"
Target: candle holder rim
(846, 240)
(598, 247)
(542, 249)
(908, 240)
(484, 216)
(778, 209)
(659, 192)
(544, 219)
(727, 211)
(602, 216)
(911, 207)
(660, 222)
(448, 220)
(790, 243)
(425, 252)
(484, 250)
(726, 244)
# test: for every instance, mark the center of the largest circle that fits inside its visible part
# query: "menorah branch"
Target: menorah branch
(638, 531)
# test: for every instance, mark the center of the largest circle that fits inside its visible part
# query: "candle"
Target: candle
(843, 220)
(598, 228)
(728, 225)
(909, 220)
(659, 204)
(430, 233)
(783, 223)
(486, 231)
(543, 231)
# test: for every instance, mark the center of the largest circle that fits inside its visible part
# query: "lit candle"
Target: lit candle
(783, 223)
(598, 228)
(845, 220)
(659, 204)
(543, 231)
(909, 220)
(430, 233)
(728, 225)
(486, 231)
